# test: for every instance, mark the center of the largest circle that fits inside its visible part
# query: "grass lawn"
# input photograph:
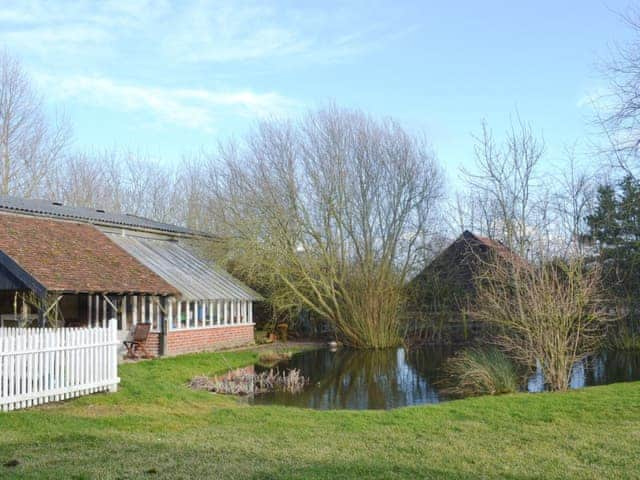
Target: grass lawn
(155, 427)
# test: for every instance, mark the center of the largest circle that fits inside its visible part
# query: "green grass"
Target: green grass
(155, 427)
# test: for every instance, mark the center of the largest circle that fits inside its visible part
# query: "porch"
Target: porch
(190, 325)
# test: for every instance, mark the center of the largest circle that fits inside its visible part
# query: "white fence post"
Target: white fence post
(41, 365)
(112, 357)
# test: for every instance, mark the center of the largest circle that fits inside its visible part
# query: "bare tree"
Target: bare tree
(196, 201)
(617, 109)
(504, 185)
(552, 315)
(31, 146)
(82, 180)
(329, 214)
(573, 200)
(120, 181)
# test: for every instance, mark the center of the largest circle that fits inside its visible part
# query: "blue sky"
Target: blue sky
(169, 77)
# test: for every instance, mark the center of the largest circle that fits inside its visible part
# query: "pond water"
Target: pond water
(383, 379)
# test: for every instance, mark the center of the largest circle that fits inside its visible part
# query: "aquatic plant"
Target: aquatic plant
(246, 383)
(476, 371)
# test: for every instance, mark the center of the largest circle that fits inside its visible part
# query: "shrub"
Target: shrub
(551, 314)
(476, 371)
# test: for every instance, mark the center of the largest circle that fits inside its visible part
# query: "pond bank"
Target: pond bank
(155, 423)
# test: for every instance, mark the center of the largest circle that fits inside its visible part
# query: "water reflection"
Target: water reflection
(605, 367)
(356, 379)
(383, 379)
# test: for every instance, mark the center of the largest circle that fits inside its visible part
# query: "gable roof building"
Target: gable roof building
(447, 282)
(88, 265)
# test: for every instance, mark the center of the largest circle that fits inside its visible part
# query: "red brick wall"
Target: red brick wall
(189, 341)
(153, 344)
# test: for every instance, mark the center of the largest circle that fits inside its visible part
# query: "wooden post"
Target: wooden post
(134, 311)
(112, 357)
(97, 319)
(188, 312)
(123, 313)
(143, 309)
(164, 328)
(179, 313)
(42, 315)
(89, 309)
(105, 320)
(151, 318)
(219, 312)
(170, 312)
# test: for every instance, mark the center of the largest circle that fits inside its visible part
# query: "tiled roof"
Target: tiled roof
(495, 245)
(47, 208)
(66, 256)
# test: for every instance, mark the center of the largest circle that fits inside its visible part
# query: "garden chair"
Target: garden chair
(137, 342)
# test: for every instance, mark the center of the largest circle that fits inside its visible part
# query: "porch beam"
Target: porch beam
(106, 299)
(54, 304)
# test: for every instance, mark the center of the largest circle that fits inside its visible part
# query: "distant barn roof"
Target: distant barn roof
(63, 256)
(48, 208)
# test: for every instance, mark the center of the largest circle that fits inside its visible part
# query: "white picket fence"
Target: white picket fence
(41, 365)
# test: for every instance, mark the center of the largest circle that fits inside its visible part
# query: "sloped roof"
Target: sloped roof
(64, 256)
(195, 278)
(47, 208)
(450, 275)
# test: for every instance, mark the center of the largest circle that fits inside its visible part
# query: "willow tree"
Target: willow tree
(329, 214)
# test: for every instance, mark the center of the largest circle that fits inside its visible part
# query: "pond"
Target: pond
(391, 378)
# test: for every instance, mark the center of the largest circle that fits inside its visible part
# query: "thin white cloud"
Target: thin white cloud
(184, 107)
(49, 40)
(192, 31)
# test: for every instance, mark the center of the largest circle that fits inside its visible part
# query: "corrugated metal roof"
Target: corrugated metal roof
(51, 209)
(195, 278)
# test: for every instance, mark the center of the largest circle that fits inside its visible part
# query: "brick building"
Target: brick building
(68, 266)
